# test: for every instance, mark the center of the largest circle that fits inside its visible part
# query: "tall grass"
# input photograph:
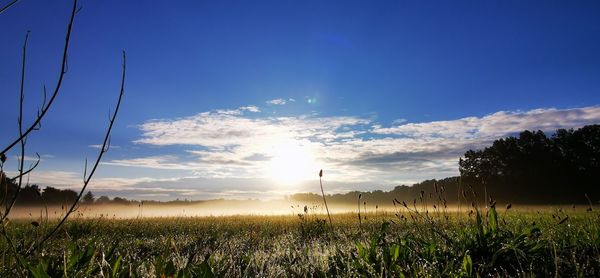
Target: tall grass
(405, 242)
(324, 200)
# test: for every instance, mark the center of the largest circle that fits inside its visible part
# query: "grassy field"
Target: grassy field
(491, 242)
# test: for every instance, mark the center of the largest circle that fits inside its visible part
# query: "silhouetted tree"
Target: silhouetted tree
(58, 196)
(119, 200)
(533, 168)
(103, 199)
(88, 198)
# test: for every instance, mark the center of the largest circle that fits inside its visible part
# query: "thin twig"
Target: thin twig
(21, 137)
(3, 179)
(8, 6)
(101, 153)
(26, 172)
(45, 108)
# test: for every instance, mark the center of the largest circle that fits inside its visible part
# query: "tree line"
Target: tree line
(531, 168)
(34, 195)
(535, 168)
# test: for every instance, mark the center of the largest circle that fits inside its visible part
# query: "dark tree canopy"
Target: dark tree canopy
(34, 195)
(88, 197)
(535, 168)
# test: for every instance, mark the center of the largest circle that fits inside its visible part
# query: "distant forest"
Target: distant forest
(529, 169)
(33, 195)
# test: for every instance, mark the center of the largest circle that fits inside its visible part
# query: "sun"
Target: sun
(292, 163)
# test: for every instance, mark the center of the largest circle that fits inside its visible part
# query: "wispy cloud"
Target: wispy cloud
(351, 148)
(497, 124)
(73, 180)
(29, 158)
(98, 146)
(221, 130)
(225, 154)
(399, 121)
(278, 101)
(239, 110)
(157, 162)
(250, 108)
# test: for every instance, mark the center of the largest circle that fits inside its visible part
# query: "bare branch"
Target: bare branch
(2, 181)
(8, 6)
(94, 167)
(21, 137)
(45, 109)
(31, 168)
(85, 167)
(107, 145)
(45, 97)
(39, 126)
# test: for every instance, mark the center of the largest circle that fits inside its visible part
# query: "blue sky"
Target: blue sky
(376, 93)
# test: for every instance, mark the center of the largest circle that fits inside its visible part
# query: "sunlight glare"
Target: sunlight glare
(292, 163)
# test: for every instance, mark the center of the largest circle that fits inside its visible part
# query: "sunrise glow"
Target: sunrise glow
(292, 163)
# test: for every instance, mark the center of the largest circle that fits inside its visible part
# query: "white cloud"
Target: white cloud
(250, 108)
(399, 121)
(227, 154)
(217, 130)
(74, 181)
(29, 158)
(277, 101)
(497, 124)
(155, 162)
(98, 146)
(350, 148)
(238, 111)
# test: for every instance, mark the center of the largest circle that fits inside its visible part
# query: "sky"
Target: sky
(250, 99)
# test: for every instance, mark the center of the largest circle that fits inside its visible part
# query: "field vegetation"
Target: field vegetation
(412, 231)
(406, 241)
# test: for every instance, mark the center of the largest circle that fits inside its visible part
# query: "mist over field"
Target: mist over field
(210, 208)
(314, 138)
(251, 208)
